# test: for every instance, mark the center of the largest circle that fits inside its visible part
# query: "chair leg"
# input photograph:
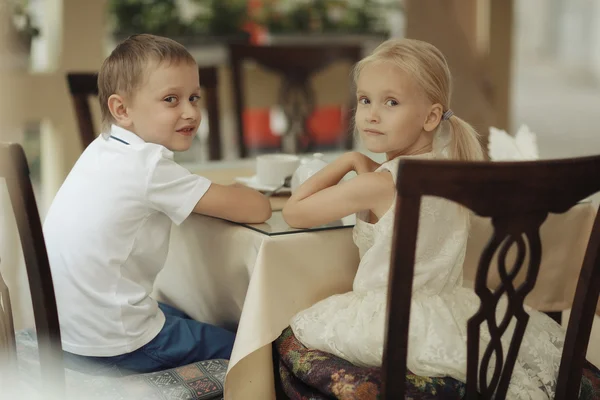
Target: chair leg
(348, 140)
(214, 125)
(555, 315)
(279, 393)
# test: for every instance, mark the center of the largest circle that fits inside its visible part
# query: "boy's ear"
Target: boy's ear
(118, 109)
(433, 118)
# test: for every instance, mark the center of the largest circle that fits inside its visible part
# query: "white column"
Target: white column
(576, 26)
(595, 45)
(53, 168)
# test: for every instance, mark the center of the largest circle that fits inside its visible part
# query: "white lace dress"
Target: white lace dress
(351, 325)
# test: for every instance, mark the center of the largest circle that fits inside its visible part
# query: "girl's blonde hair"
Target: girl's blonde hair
(429, 68)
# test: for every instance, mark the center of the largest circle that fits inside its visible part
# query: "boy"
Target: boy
(107, 231)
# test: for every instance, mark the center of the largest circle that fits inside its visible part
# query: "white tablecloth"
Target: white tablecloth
(222, 273)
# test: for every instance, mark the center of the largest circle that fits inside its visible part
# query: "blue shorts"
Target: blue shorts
(181, 341)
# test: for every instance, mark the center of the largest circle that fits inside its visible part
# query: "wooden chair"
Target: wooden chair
(518, 197)
(14, 169)
(84, 85)
(296, 64)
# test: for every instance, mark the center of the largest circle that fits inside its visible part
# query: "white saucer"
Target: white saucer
(253, 182)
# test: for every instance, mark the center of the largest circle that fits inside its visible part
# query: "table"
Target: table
(257, 277)
(254, 278)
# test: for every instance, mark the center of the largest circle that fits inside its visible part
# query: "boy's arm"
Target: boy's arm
(235, 203)
(177, 192)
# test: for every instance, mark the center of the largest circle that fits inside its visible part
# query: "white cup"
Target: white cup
(272, 169)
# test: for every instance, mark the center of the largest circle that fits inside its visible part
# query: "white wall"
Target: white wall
(564, 33)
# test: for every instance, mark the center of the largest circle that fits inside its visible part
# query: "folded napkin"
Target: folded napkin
(521, 146)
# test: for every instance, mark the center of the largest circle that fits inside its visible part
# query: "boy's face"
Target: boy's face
(165, 109)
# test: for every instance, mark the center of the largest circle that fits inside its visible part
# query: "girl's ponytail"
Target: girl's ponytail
(464, 142)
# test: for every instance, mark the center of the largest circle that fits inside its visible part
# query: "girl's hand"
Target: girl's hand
(361, 163)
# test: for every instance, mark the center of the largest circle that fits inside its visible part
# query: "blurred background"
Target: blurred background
(533, 62)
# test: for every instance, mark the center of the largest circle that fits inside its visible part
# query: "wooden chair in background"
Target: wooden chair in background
(82, 86)
(296, 65)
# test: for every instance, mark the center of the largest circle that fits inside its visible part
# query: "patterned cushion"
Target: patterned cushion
(202, 380)
(316, 375)
(199, 381)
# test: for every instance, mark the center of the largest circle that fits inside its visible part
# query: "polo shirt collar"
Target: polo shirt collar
(121, 134)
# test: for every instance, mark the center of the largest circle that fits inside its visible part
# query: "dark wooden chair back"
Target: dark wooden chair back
(296, 65)
(84, 85)
(81, 87)
(517, 196)
(13, 167)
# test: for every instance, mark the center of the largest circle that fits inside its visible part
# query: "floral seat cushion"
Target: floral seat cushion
(315, 375)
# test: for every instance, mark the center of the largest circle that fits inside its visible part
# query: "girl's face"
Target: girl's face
(393, 114)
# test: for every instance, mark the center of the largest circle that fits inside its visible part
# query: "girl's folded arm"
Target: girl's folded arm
(368, 191)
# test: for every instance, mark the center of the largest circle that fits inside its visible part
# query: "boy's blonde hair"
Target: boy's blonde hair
(124, 70)
(429, 68)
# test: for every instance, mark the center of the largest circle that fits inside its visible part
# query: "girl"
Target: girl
(403, 93)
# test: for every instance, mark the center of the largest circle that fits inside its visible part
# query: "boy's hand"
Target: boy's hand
(361, 163)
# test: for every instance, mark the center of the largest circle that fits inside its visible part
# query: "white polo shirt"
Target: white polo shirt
(107, 235)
